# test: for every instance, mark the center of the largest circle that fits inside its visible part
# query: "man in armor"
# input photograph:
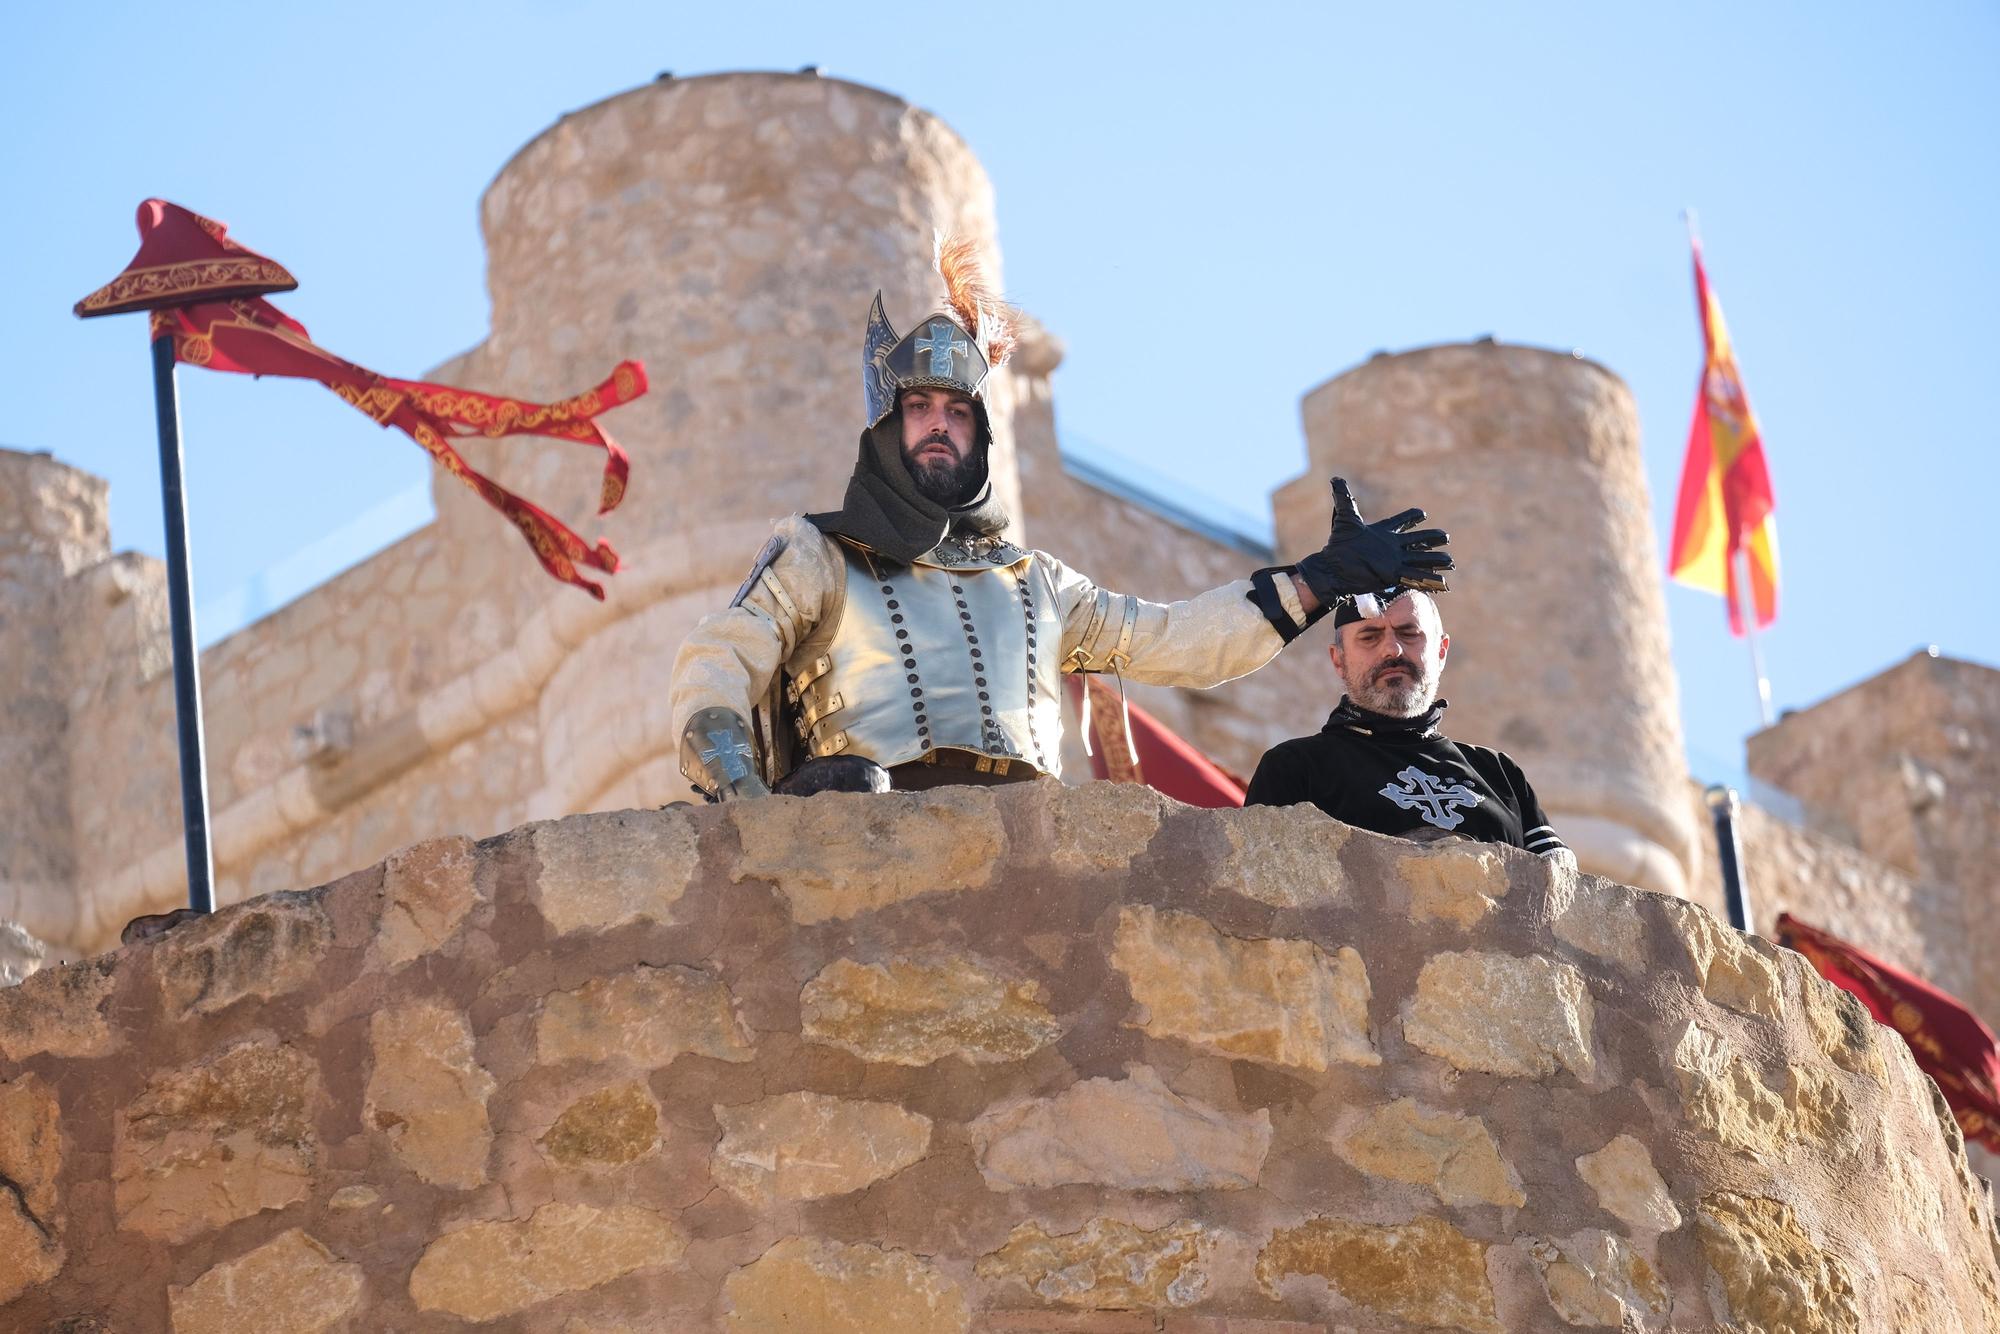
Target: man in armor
(901, 641)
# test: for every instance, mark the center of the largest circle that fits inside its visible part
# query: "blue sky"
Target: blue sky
(1366, 177)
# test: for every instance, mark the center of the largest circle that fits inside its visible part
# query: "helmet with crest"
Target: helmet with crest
(955, 348)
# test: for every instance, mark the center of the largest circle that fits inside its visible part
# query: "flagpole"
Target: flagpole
(180, 610)
(1746, 608)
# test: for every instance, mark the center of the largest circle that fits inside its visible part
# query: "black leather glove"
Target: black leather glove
(1371, 557)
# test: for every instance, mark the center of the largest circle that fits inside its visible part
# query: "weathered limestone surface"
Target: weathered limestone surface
(1130, 1134)
(1451, 1153)
(290, 1285)
(915, 1011)
(1503, 1014)
(1124, 1068)
(801, 1146)
(428, 1093)
(1283, 1001)
(490, 1270)
(228, 1138)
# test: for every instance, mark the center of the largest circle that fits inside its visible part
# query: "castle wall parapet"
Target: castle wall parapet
(992, 1059)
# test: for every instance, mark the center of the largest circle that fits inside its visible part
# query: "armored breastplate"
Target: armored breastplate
(958, 651)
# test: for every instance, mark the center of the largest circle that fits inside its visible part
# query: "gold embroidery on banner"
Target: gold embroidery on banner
(493, 416)
(624, 382)
(191, 278)
(378, 401)
(194, 349)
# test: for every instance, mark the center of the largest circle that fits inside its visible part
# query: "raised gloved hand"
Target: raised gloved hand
(1370, 557)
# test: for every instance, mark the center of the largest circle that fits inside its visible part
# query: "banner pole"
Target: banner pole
(1746, 608)
(1723, 805)
(180, 609)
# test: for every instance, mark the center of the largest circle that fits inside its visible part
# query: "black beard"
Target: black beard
(943, 483)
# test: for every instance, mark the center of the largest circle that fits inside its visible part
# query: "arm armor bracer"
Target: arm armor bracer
(718, 757)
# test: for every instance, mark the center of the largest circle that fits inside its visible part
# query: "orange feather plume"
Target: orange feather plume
(972, 298)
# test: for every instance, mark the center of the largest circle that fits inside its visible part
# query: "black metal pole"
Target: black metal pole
(180, 609)
(1722, 803)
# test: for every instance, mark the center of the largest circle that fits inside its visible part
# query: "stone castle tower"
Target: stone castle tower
(731, 230)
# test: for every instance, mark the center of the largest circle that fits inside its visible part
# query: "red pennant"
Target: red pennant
(1950, 1043)
(204, 289)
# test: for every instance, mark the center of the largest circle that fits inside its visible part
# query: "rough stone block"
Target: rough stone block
(1504, 1015)
(1597, 1279)
(1128, 1134)
(1288, 857)
(1629, 1187)
(1723, 1094)
(1460, 885)
(1727, 964)
(260, 949)
(488, 1270)
(1101, 826)
(1603, 921)
(30, 1159)
(840, 854)
(290, 1285)
(1107, 1264)
(222, 1140)
(58, 1012)
(803, 1146)
(806, 1283)
(1452, 1154)
(427, 1093)
(912, 1011)
(1426, 1271)
(426, 892)
(600, 871)
(1840, 1024)
(1771, 1273)
(642, 1018)
(1283, 1001)
(608, 1128)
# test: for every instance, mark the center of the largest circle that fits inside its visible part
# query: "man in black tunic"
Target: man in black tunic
(1380, 762)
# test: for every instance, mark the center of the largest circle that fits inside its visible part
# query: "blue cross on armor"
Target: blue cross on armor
(943, 345)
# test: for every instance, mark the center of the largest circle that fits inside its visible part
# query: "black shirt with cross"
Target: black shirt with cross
(1400, 776)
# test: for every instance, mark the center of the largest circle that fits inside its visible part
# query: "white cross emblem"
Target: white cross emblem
(941, 344)
(1437, 801)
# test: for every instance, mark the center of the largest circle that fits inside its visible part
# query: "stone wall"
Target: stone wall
(1906, 767)
(1031, 1058)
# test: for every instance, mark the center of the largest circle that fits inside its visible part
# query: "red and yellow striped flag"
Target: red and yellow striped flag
(1725, 503)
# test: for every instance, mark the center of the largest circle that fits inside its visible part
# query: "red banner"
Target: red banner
(1950, 1043)
(1164, 761)
(202, 287)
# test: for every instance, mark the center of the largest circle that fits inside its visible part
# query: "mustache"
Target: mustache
(1416, 672)
(937, 438)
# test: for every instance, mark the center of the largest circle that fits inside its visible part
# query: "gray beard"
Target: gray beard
(1399, 701)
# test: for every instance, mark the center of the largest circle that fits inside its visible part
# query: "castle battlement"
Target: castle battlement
(980, 1059)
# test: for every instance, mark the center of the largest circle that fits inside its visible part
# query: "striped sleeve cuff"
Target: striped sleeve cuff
(1542, 839)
